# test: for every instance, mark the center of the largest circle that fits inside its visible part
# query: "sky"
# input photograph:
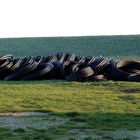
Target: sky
(44, 18)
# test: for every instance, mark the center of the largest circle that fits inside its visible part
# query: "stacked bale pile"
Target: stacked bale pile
(68, 66)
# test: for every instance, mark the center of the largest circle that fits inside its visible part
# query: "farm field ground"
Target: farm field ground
(107, 46)
(55, 109)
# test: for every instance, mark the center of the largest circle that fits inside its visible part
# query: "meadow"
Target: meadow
(107, 46)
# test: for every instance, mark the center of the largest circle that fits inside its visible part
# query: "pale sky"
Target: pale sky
(37, 18)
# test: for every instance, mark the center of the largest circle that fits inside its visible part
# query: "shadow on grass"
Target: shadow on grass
(33, 82)
(101, 121)
(105, 121)
(79, 124)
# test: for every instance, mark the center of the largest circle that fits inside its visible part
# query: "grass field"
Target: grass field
(98, 110)
(108, 46)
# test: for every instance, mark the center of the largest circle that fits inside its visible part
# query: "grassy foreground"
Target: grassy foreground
(99, 105)
(99, 110)
(62, 97)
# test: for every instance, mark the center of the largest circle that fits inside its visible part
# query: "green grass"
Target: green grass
(100, 106)
(63, 97)
(78, 97)
(108, 46)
